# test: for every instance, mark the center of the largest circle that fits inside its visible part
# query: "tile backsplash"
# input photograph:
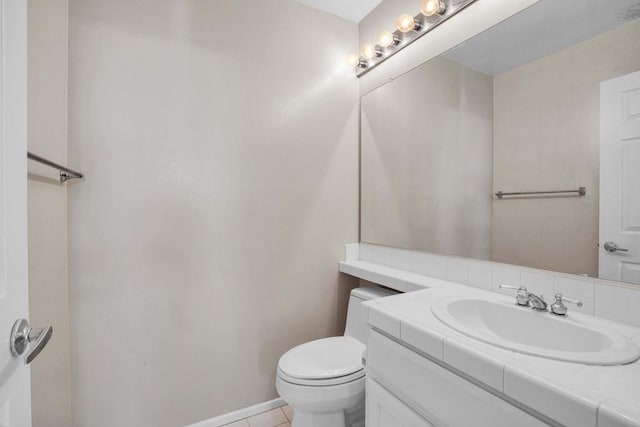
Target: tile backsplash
(611, 300)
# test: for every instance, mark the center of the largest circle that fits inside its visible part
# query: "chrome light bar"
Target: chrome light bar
(404, 36)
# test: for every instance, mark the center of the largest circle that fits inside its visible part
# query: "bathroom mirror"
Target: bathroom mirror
(515, 109)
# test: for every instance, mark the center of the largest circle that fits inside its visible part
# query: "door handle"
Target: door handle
(22, 335)
(612, 247)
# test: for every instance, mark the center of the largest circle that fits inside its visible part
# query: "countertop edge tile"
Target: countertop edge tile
(481, 366)
(387, 323)
(612, 414)
(428, 341)
(554, 401)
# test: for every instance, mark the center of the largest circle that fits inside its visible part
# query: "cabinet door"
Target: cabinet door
(385, 410)
(436, 393)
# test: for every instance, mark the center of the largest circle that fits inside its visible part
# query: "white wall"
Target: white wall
(219, 141)
(48, 257)
(547, 136)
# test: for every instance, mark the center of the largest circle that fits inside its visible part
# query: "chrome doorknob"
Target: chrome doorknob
(612, 247)
(22, 335)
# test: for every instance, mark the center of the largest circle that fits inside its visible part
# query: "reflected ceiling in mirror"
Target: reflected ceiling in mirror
(515, 109)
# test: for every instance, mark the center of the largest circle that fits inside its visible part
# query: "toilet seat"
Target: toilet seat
(324, 362)
(322, 382)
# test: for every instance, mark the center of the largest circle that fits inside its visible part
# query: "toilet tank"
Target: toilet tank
(356, 325)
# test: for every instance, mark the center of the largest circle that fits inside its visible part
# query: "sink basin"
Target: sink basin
(576, 338)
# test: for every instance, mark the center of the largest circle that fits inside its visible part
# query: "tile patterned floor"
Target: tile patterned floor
(279, 417)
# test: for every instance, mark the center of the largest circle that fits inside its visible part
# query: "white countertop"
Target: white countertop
(570, 393)
(400, 280)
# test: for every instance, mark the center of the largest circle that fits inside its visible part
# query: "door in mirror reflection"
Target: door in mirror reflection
(620, 179)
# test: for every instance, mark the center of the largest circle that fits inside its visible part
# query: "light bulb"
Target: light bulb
(386, 39)
(352, 60)
(405, 23)
(431, 7)
(368, 51)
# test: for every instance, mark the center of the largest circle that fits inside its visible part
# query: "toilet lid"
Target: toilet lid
(323, 359)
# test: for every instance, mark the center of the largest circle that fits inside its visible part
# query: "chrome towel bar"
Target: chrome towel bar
(580, 192)
(65, 173)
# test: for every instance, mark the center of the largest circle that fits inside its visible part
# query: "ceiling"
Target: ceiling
(353, 10)
(545, 28)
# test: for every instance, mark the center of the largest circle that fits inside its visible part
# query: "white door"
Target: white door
(620, 179)
(15, 393)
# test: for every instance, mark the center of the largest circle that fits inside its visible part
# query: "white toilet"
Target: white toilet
(323, 380)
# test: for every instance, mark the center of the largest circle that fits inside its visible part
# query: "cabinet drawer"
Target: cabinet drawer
(385, 410)
(437, 394)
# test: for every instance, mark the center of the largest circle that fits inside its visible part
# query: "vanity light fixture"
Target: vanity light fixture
(409, 29)
(369, 51)
(386, 39)
(353, 60)
(406, 23)
(432, 7)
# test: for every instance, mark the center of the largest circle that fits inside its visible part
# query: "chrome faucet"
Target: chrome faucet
(527, 299)
(538, 303)
(559, 308)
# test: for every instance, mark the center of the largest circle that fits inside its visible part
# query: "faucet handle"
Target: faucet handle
(522, 295)
(563, 298)
(513, 288)
(558, 307)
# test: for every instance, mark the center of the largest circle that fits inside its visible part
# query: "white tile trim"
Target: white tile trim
(352, 252)
(241, 414)
(412, 270)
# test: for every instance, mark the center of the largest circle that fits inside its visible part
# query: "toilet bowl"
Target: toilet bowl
(324, 380)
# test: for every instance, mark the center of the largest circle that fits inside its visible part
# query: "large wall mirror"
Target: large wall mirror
(548, 100)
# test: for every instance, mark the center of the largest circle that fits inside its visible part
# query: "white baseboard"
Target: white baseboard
(241, 414)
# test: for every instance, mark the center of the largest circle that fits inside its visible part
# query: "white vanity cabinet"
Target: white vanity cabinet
(385, 410)
(404, 388)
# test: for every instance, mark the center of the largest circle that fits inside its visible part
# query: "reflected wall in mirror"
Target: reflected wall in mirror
(517, 108)
(423, 136)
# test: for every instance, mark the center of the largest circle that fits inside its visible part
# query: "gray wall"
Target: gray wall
(547, 136)
(219, 139)
(48, 257)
